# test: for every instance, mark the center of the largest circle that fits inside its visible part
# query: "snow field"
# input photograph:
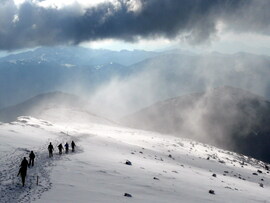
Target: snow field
(97, 172)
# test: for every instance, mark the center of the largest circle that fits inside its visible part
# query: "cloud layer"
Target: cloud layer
(32, 24)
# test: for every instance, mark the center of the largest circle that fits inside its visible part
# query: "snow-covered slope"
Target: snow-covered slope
(164, 168)
(227, 117)
(54, 106)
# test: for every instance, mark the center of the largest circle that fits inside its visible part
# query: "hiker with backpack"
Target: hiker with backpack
(73, 146)
(31, 158)
(60, 148)
(66, 147)
(50, 148)
(23, 170)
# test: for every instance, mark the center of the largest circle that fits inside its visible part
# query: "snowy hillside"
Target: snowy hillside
(164, 168)
(53, 106)
(227, 117)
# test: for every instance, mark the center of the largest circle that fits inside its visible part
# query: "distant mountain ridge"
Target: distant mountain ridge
(80, 56)
(59, 68)
(228, 117)
(164, 74)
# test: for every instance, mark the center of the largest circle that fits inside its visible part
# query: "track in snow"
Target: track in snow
(11, 189)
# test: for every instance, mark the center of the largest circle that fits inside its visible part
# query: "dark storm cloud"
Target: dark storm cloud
(252, 16)
(31, 25)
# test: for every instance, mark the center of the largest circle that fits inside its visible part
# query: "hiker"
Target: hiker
(60, 148)
(50, 148)
(31, 158)
(73, 146)
(67, 147)
(24, 163)
(23, 170)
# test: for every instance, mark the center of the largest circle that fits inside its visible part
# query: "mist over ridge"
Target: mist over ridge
(119, 83)
(227, 117)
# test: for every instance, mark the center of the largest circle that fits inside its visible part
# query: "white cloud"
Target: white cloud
(146, 44)
(134, 5)
(61, 3)
(15, 19)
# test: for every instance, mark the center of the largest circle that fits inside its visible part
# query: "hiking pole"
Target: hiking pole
(37, 180)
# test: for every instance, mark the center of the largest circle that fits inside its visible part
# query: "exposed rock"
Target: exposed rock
(127, 195)
(212, 192)
(128, 162)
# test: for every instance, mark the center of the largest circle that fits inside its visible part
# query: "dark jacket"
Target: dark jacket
(60, 147)
(50, 147)
(24, 163)
(22, 171)
(32, 155)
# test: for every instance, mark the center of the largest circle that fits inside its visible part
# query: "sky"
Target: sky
(227, 26)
